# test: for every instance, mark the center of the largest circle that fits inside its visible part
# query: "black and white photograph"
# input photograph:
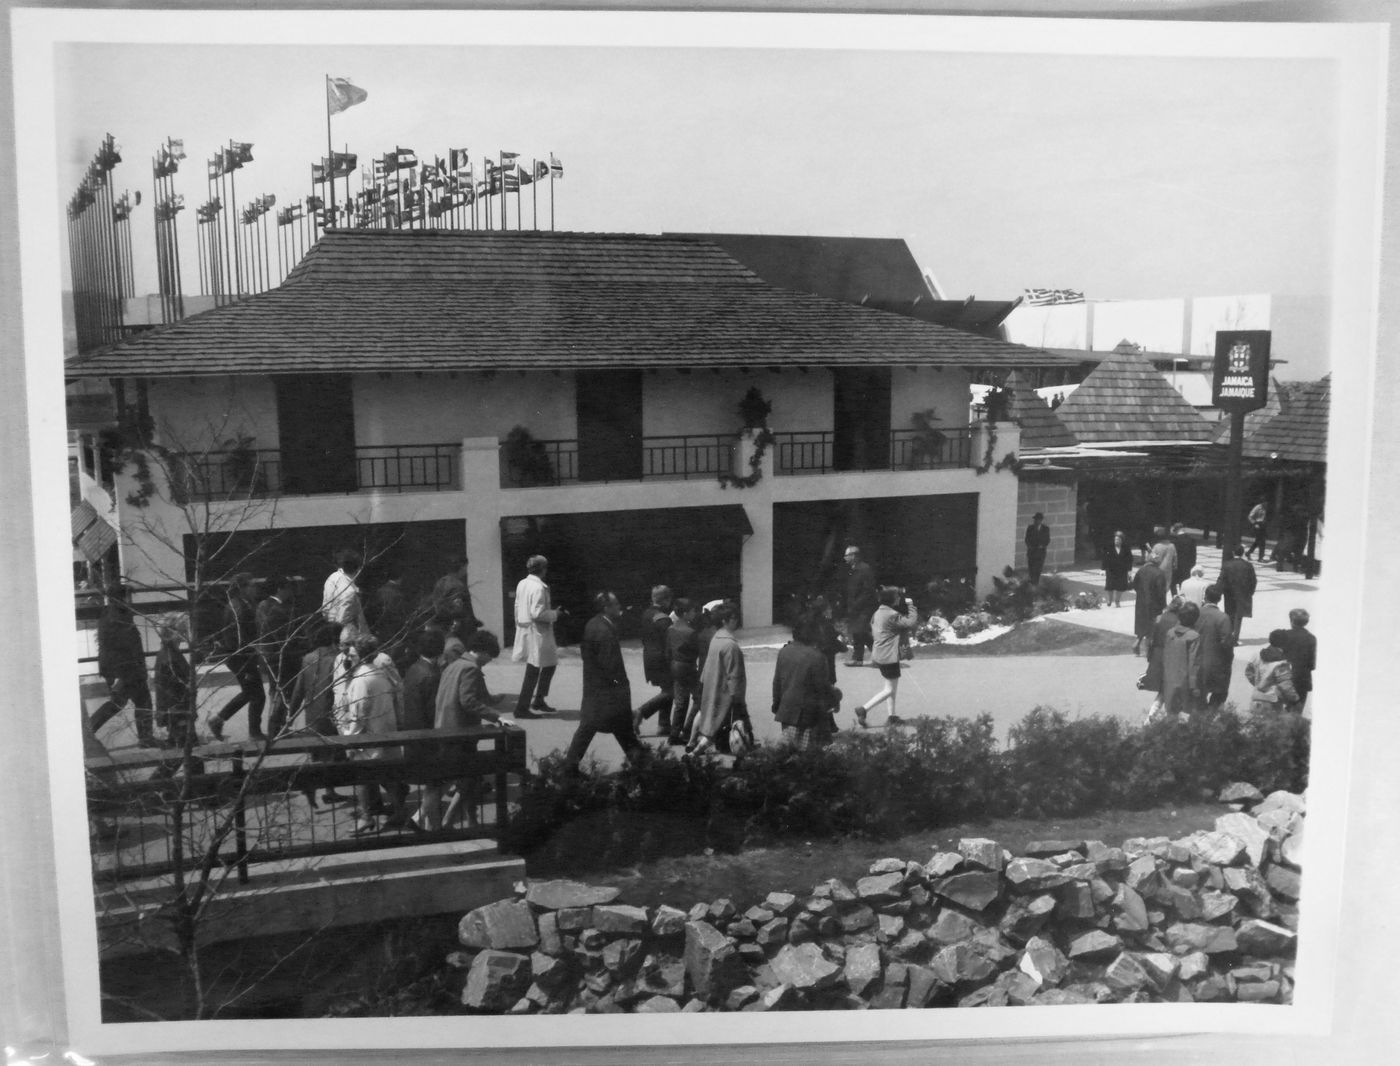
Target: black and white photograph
(579, 515)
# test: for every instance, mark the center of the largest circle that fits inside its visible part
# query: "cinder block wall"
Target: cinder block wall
(1058, 502)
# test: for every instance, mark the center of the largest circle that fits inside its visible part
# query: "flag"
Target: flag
(216, 166)
(318, 173)
(508, 157)
(340, 94)
(121, 210)
(175, 148)
(266, 201)
(556, 168)
(343, 164)
(458, 160)
(1046, 297)
(522, 176)
(400, 159)
(110, 154)
(168, 208)
(541, 170)
(314, 203)
(242, 150)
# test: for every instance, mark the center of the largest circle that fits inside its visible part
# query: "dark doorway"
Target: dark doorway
(609, 407)
(694, 550)
(861, 418)
(316, 427)
(908, 540)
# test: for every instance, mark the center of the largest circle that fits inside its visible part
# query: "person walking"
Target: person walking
(1181, 663)
(1193, 589)
(1153, 679)
(238, 641)
(1272, 677)
(895, 616)
(174, 681)
(280, 648)
(1037, 545)
(1258, 519)
(1150, 589)
(803, 695)
(340, 596)
(534, 645)
(683, 651)
(1117, 566)
(463, 701)
(451, 597)
(1300, 648)
(1165, 551)
(860, 603)
(723, 682)
(1185, 547)
(373, 704)
(121, 660)
(607, 696)
(656, 664)
(313, 699)
(1217, 649)
(1237, 581)
(420, 689)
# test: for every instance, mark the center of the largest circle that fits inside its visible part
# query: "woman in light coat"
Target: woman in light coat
(895, 616)
(534, 639)
(373, 704)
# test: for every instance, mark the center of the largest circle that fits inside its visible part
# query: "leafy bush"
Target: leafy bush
(965, 625)
(889, 782)
(950, 596)
(1014, 598)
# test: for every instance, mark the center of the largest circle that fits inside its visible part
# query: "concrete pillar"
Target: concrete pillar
(756, 559)
(481, 491)
(997, 533)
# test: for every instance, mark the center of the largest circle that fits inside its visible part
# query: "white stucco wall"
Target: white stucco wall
(201, 413)
(439, 408)
(943, 390)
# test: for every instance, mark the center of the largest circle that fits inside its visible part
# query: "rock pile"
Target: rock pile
(1210, 917)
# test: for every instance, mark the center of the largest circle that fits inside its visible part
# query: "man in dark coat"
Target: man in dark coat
(1300, 648)
(1185, 545)
(1150, 591)
(1237, 581)
(1217, 648)
(607, 696)
(1037, 544)
(280, 648)
(803, 695)
(238, 642)
(121, 660)
(860, 603)
(656, 664)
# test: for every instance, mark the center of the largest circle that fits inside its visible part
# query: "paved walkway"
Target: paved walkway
(1006, 687)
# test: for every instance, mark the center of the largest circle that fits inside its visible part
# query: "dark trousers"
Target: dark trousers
(659, 704)
(1035, 562)
(685, 704)
(280, 693)
(245, 672)
(622, 730)
(1259, 545)
(858, 631)
(135, 692)
(535, 687)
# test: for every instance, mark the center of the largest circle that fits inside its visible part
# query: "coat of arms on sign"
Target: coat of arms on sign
(1239, 359)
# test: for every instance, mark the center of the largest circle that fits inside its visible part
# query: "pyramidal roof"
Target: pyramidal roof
(1298, 433)
(1040, 425)
(1127, 399)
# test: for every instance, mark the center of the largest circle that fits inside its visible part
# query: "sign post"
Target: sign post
(1241, 385)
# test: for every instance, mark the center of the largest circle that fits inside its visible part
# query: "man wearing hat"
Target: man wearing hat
(1037, 544)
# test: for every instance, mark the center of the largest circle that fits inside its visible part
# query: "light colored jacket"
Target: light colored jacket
(340, 602)
(534, 624)
(886, 625)
(373, 703)
(723, 683)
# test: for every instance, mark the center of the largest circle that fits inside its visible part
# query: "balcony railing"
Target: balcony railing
(555, 462)
(378, 467)
(909, 449)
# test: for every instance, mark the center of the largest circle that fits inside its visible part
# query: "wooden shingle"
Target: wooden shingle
(1126, 399)
(1040, 425)
(1298, 433)
(384, 300)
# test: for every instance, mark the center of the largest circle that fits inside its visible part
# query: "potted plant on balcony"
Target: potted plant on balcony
(241, 469)
(928, 441)
(753, 411)
(527, 461)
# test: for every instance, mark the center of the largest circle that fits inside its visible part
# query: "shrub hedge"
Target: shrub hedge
(890, 782)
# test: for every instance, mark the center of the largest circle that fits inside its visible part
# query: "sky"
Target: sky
(1129, 178)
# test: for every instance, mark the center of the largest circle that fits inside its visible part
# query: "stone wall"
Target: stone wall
(1058, 501)
(1211, 917)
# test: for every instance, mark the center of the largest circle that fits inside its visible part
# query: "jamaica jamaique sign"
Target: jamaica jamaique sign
(1241, 370)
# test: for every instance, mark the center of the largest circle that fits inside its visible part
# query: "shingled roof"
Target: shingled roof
(1127, 400)
(1040, 425)
(1298, 433)
(385, 300)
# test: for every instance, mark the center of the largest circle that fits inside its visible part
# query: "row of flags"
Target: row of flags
(1049, 297)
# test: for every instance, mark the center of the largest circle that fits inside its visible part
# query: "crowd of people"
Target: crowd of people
(1191, 627)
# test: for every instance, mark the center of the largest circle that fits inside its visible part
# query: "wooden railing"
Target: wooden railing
(133, 797)
(259, 472)
(813, 452)
(663, 458)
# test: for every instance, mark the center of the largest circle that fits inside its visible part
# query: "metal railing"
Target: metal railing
(259, 472)
(262, 808)
(813, 452)
(555, 462)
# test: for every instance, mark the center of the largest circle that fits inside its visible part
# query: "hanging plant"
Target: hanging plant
(527, 460)
(754, 409)
(762, 439)
(928, 441)
(1006, 462)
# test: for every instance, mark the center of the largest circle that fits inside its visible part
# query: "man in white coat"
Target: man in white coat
(534, 639)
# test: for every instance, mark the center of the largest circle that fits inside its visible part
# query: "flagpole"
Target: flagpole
(534, 194)
(551, 192)
(330, 152)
